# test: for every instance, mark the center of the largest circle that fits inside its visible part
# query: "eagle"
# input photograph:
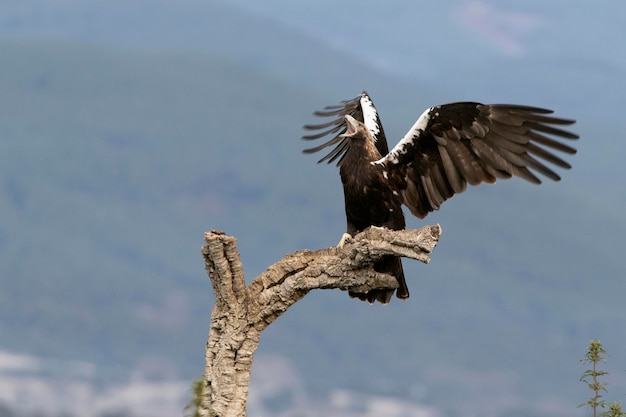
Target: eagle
(448, 147)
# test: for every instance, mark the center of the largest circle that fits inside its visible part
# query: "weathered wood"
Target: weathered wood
(242, 312)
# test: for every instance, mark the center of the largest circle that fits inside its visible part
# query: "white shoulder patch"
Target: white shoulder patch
(412, 135)
(370, 115)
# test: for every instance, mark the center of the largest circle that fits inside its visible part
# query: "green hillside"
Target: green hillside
(112, 167)
(113, 164)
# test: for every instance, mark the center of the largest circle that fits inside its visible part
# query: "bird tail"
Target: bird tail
(391, 265)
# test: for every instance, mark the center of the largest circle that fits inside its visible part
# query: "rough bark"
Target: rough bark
(242, 312)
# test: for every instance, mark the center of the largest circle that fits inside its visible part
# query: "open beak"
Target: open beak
(351, 126)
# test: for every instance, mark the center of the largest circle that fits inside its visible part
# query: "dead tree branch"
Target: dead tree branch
(242, 312)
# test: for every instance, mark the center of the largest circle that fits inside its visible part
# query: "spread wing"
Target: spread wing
(457, 144)
(362, 109)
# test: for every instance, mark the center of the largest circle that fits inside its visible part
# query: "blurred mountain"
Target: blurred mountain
(130, 128)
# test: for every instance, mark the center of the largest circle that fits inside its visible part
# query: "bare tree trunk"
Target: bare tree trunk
(242, 312)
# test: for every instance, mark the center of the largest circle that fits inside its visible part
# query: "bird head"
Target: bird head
(354, 128)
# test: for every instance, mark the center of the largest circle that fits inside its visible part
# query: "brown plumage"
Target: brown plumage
(448, 147)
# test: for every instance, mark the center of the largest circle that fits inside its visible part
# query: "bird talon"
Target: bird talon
(345, 238)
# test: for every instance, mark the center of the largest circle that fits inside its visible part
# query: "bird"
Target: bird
(447, 148)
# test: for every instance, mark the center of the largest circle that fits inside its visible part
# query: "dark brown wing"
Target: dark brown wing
(455, 144)
(362, 109)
